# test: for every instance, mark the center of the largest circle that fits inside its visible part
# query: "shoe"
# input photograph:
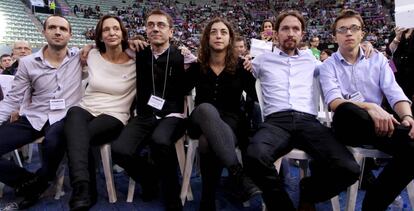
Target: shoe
(31, 190)
(174, 206)
(304, 203)
(10, 206)
(27, 202)
(207, 205)
(306, 206)
(245, 187)
(82, 197)
(33, 186)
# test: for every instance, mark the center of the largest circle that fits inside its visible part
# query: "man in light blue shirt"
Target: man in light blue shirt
(287, 83)
(354, 88)
(46, 85)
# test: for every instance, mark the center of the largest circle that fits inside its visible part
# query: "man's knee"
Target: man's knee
(257, 154)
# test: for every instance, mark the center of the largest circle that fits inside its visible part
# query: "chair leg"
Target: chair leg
(410, 191)
(303, 166)
(352, 191)
(179, 148)
(59, 182)
(278, 164)
(107, 166)
(131, 190)
(335, 203)
(186, 188)
(16, 158)
(1, 189)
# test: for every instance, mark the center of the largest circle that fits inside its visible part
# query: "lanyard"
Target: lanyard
(165, 77)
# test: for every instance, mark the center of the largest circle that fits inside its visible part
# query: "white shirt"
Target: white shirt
(287, 82)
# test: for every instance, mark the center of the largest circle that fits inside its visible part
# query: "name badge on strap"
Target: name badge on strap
(156, 102)
(57, 104)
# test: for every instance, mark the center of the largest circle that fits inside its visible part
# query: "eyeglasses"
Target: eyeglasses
(160, 25)
(344, 30)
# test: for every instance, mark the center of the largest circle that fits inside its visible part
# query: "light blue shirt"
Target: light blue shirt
(372, 77)
(287, 82)
(37, 82)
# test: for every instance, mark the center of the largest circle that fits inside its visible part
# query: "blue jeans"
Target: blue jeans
(19, 133)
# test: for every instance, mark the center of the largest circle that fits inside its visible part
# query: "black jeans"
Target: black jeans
(160, 134)
(333, 167)
(19, 133)
(82, 130)
(354, 126)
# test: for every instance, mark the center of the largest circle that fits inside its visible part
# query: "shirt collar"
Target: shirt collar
(281, 53)
(70, 52)
(361, 55)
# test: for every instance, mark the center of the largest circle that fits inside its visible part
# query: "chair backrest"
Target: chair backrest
(6, 83)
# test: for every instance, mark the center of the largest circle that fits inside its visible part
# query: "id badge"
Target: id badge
(156, 102)
(57, 104)
(357, 97)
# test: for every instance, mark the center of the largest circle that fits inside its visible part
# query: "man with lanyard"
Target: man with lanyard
(160, 104)
(47, 84)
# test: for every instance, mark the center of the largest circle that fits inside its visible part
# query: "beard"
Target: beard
(289, 45)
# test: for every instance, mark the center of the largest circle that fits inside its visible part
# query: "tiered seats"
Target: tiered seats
(79, 26)
(16, 24)
(105, 6)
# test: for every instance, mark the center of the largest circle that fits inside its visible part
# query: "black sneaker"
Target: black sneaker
(31, 190)
(244, 186)
(82, 197)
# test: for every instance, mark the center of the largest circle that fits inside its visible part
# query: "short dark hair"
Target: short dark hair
(327, 51)
(347, 13)
(98, 37)
(293, 13)
(4, 55)
(56, 15)
(163, 13)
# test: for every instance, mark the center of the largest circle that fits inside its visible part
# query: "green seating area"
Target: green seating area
(79, 26)
(16, 24)
(105, 5)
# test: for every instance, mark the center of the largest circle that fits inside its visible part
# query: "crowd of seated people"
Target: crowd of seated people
(217, 63)
(247, 16)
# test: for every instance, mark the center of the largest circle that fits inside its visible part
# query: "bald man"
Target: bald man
(21, 48)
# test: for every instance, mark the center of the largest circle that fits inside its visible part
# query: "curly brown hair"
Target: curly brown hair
(204, 52)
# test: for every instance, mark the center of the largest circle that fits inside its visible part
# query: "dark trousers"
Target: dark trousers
(353, 126)
(19, 133)
(83, 130)
(161, 135)
(333, 167)
(217, 146)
